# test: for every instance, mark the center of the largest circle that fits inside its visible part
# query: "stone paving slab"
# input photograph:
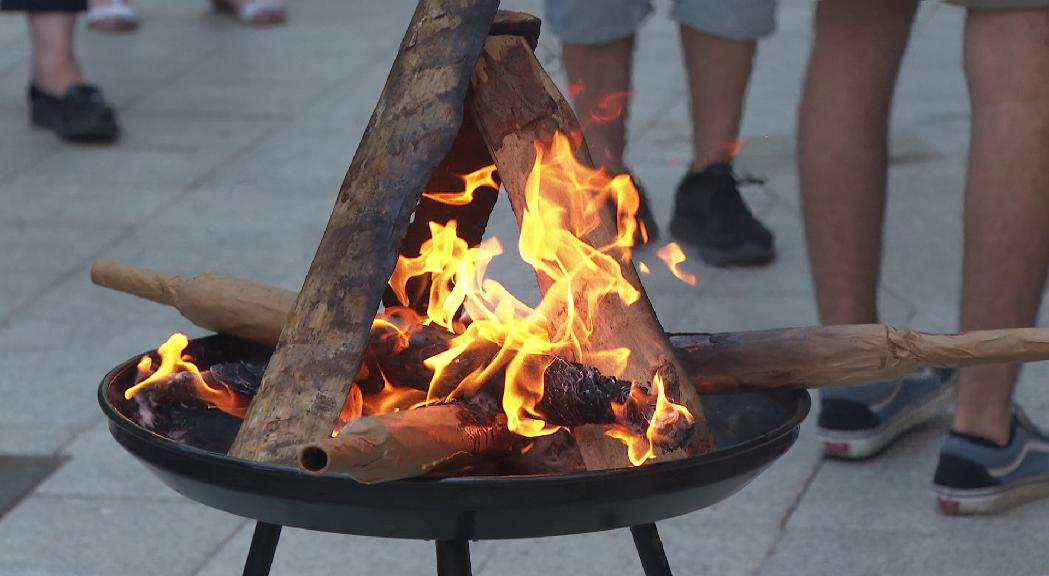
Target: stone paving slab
(114, 537)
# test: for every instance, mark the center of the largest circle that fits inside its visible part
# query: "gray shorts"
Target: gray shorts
(601, 21)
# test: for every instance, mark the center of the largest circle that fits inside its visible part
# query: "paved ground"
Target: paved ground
(236, 141)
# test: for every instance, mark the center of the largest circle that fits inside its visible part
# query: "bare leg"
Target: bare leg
(1006, 200)
(599, 80)
(843, 148)
(718, 73)
(54, 63)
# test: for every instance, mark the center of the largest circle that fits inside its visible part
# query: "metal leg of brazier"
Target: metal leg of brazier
(263, 546)
(453, 557)
(650, 550)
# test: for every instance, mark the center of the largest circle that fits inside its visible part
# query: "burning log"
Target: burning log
(412, 129)
(413, 443)
(517, 106)
(443, 438)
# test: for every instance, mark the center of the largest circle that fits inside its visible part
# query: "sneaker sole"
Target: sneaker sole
(955, 502)
(863, 444)
(746, 255)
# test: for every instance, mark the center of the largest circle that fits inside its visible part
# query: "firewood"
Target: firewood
(517, 106)
(242, 308)
(806, 357)
(413, 443)
(447, 437)
(410, 132)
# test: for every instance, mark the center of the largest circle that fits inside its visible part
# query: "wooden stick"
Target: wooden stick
(809, 357)
(412, 443)
(241, 308)
(410, 132)
(518, 106)
(823, 356)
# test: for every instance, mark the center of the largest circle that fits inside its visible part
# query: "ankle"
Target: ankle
(54, 75)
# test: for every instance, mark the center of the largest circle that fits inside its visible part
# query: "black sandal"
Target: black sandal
(80, 115)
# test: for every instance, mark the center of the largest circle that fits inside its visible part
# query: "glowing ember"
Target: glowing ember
(673, 256)
(173, 363)
(664, 414)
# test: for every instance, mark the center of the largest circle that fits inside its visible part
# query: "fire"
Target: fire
(172, 363)
(472, 181)
(641, 448)
(564, 202)
(673, 256)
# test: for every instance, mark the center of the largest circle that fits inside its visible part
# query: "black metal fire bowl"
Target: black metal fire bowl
(750, 429)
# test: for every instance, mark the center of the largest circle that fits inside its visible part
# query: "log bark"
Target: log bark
(410, 132)
(808, 357)
(517, 106)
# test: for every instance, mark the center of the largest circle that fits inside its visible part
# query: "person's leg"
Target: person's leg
(719, 39)
(55, 66)
(718, 73)
(843, 148)
(599, 85)
(843, 154)
(1007, 200)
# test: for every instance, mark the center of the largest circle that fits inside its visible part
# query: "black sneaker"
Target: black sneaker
(79, 115)
(709, 213)
(977, 476)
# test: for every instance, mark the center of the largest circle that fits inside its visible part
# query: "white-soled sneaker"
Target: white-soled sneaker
(859, 422)
(977, 476)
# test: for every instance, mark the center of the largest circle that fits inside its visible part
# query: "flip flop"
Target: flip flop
(115, 17)
(256, 12)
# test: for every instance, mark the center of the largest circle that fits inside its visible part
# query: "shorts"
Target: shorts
(603, 21)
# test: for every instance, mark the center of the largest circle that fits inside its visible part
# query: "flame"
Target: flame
(564, 202)
(171, 363)
(477, 179)
(641, 448)
(643, 268)
(672, 255)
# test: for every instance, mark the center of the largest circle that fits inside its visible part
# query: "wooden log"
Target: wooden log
(451, 436)
(241, 308)
(410, 132)
(807, 357)
(412, 443)
(518, 106)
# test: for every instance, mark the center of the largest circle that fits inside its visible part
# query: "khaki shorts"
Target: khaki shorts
(999, 4)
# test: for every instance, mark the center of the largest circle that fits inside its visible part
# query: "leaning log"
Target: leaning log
(517, 106)
(410, 132)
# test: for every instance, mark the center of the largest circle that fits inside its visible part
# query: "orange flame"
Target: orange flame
(477, 179)
(171, 363)
(665, 414)
(673, 256)
(564, 202)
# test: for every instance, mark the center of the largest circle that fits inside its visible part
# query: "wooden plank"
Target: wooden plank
(517, 106)
(410, 132)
